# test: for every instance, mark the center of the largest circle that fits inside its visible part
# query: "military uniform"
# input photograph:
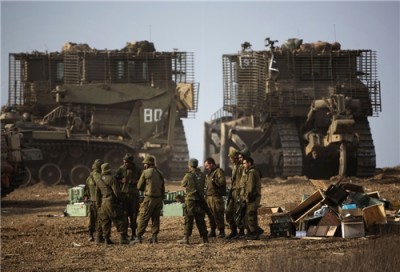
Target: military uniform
(151, 182)
(128, 176)
(216, 190)
(250, 193)
(108, 199)
(233, 201)
(90, 194)
(194, 182)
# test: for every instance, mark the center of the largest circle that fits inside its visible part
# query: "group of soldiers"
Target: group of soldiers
(114, 200)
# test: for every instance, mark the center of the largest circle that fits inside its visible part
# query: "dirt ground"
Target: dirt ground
(36, 236)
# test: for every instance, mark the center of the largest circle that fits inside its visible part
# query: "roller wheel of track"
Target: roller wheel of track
(50, 173)
(27, 177)
(79, 174)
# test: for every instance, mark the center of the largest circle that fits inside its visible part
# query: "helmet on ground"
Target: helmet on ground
(148, 160)
(193, 162)
(105, 168)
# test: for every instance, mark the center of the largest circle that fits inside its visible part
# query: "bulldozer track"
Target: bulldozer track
(366, 157)
(292, 161)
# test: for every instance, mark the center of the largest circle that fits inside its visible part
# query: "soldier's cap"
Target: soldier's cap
(245, 152)
(148, 160)
(193, 162)
(105, 168)
(97, 163)
(233, 152)
(128, 157)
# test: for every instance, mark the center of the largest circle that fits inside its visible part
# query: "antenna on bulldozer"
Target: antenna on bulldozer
(269, 42)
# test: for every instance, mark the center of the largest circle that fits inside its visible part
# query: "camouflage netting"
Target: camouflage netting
(297, 44)
(75, 47)
(134, 47)
(138, 47)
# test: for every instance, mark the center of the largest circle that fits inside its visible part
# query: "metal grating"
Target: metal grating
(33, 76)
(304, 76)
(15, 86)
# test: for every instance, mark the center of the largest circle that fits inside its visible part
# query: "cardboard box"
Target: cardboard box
(357, 212)
(306, 207)
(281, 217)
(374, 214)
(336, 194)
(287, 229)
(77, 209)
(353, 229)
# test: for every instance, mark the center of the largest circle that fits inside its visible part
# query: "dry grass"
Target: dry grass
(372, 255)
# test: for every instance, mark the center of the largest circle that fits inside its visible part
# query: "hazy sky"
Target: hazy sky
(211, 29)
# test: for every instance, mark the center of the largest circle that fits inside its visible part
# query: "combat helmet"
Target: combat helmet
(128, 157)
(105, 168)
(149, 160)
(245, 152)
(97, 164)
(232, 153)
(193, 162)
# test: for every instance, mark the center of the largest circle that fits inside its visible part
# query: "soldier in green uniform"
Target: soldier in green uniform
(194, 182)
(250, 194)
(240, 207)
(108, 199)
(216, 190)
(151, 182)
(128, 175)
(90, 197)
(233, 196)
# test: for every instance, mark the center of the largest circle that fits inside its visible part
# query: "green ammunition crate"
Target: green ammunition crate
(77, 209)
(173, 209)
(75, 194)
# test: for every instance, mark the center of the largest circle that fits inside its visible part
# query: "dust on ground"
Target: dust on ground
(36, 236)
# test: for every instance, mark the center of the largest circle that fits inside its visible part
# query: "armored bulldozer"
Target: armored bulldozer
(300, 109)
(83, 104)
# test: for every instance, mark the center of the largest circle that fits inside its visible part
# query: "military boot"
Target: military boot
(240, 235)
(212, 233)
(233, 234)
(99, 240)
(205, 239)
(221, 233)
(133, 236)
(108, 241)
(123, 240)
(91, 237)
(154, 239)
(138, 240)
(185, 240)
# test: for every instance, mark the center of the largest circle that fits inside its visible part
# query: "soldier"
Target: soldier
(108, 199)
(250, 194)
(240, 207)
(90, 197)
(233, 196)
(194, 182)
(151, 182)
(216, 190)
(128, 175)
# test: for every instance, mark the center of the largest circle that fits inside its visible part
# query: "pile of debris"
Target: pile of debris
(342, 209)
